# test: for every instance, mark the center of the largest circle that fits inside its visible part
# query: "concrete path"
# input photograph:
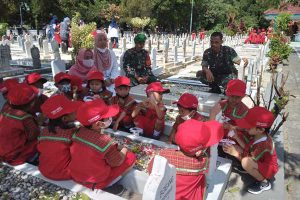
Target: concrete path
(292, 127)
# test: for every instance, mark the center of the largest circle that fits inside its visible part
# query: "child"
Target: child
(125, 102)
(63, 83)
(36, 81)
(149, 115)
(97, 87)
(187, 106)
(194, 139)
(55, 141)
(233, 108)
(258, 157)
(96, 159)
(18, 129)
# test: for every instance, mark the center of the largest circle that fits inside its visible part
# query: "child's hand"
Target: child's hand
(233, 150)
(215, 111)
(146, 103)
(116, 126)
(229, 126)
(97, 96)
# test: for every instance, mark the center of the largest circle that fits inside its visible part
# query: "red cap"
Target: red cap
(76, 81)
(156, 87)
(21, 94)
(8, 84)
(256, 117)
(236, 87)
(193, 135)
(93, 111)
(122, 80)
(95, 75)
(59, 105)
(61, 76)
(187, 100)
(34, 77)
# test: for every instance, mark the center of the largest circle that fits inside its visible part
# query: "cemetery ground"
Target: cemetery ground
(287, 181)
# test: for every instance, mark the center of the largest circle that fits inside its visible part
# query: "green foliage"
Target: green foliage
(229, 32)
(140, 22)
(81, 35)
(282, 22)
(279, 50)
(3, 28)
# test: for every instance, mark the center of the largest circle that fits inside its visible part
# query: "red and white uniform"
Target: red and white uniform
(55, 154)
(126, 105)
(147, 119)
(18, 133)
(264, 153)
(96, 161)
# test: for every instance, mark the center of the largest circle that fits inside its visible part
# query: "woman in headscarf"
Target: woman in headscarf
(84, 63)
(106, 61)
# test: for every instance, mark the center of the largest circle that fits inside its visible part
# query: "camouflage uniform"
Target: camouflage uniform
(221, 65)
(137, 63)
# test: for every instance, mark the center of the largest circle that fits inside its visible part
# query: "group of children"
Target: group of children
(90, 157)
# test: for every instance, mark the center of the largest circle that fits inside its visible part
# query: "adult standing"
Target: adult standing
(218, 64)
(106, 61)
(113, 32)
(64, 33)
(137, 63)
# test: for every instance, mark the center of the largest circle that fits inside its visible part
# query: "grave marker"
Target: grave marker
(58, 66)
(55, 49)
(35, 53)
(27, 45)
(153, 56)
(161, 184)
(5, 55)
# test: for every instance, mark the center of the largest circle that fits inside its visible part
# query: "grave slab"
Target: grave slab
(10, 71)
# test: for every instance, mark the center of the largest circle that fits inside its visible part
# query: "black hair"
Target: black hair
(124, 86)
(189, 109)
(217, 34)
(58, 122)
(103, 84)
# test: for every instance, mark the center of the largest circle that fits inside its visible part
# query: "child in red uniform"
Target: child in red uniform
(55, 141)
(194, 139)
(18, 129)
(149, 115)
(36, 81)
(63, 83)
(97, 87)
(258, 157)
(96, 161)
(125, 102)
(233, 108)
(187, 106)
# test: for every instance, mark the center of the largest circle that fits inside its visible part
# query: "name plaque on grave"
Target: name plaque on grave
(161, 184)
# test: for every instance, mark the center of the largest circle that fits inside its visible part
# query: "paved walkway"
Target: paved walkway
(292, 127)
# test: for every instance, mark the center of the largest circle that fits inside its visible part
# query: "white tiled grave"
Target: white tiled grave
(136, 180)
(206, 100)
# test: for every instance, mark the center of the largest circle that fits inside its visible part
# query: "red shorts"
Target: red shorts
(117, 171)
(268, 171)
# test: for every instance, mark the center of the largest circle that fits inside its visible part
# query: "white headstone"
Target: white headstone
(194, 48)
(27, 45)
(166, 51)
(57, 66)
(45, 47)
(175, 54)
(123, 44)
(161, 184)
(153, 56)
(149, 45)
(184, 48)
(19, 39)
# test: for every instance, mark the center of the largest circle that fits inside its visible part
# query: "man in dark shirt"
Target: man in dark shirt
(218, 64)
(137, 63)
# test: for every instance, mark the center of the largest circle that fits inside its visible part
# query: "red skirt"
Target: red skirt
(190, 187)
